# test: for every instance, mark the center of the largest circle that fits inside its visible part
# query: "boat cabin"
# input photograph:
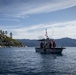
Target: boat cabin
(47, 43)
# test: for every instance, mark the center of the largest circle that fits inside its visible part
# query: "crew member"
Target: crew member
(54, 44)
(41, 45)
(50, 45)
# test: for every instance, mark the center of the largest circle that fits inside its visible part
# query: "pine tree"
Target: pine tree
(0, 31)
(10, 34)
(6, 32)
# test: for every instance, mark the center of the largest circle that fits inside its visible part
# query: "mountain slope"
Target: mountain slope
(68, 42)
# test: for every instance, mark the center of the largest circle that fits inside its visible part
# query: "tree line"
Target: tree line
(5, 33)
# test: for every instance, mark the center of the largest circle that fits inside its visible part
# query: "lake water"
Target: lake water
(25, 61)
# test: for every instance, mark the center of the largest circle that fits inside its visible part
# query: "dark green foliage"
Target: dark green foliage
(7, 41)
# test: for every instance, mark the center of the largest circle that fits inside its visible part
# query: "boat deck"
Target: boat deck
(49, 50)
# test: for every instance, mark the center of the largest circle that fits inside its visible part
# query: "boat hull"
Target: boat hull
(49, 50)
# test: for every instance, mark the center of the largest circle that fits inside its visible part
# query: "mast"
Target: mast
(46, 33)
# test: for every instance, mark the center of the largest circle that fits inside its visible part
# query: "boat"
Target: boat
(48, 46)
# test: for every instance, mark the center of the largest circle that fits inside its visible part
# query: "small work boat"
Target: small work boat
(48, 46)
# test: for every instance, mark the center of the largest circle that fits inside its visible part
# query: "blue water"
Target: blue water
(25, 61)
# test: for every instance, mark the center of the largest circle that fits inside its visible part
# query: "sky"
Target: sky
(28, 19)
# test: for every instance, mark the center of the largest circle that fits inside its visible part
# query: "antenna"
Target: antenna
(52, 33)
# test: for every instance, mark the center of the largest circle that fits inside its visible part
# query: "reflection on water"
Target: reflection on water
(21, 61)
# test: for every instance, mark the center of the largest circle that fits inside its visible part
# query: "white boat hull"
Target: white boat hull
(49, 50)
